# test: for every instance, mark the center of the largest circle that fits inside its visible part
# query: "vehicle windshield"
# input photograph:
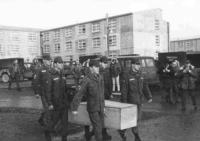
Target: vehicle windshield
(150, 62)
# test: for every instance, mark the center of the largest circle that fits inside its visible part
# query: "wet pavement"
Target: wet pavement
(160, 122)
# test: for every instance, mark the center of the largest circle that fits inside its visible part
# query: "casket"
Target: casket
(117, 115)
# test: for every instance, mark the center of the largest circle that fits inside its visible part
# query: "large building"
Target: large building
(189, 44)
(19, 42)
(144, 33)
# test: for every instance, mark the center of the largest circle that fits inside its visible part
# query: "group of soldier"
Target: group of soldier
(178, 82)
(93, 83)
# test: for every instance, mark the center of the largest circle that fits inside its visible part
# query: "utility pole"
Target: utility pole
(41, 44)
(107, 34)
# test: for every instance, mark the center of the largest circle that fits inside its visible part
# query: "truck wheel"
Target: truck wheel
(5, 77)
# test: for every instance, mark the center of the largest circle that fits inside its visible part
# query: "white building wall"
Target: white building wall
(16, 43)
(144, 33)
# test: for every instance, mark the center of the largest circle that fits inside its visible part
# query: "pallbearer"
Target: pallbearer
(133, 89)
(93, 88)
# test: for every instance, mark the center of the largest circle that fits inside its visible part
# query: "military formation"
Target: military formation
(62, 87)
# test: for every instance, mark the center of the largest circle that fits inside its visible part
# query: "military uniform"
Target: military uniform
(56, 118)
(93, 88)
(14, 76)
(187, 86)
(105, 72)
(44, 85)
(35, 68)
(133, 89)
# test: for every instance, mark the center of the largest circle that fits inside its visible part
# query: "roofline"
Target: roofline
(185, 38)
(126, 14)
(14, 28)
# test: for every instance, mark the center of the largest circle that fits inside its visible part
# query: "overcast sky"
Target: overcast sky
(182, 14)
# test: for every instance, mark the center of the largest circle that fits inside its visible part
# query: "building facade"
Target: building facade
(19, 42)
(190, 44)
(144, 33)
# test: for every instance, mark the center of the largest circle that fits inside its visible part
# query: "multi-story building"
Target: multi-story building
(144, 33)
(190, 44)
(19, 42)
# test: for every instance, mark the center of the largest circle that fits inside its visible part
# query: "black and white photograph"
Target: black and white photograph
(99, 70)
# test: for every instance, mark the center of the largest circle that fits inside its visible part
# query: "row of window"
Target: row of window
(96, 27)
(80, 44)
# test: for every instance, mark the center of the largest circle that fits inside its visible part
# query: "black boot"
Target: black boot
(137, 137)
(47, 136)
(64, 138)
(195, 107)
(106, 136)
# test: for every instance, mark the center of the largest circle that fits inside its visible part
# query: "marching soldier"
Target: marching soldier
(134, 88)
(14, 75)
(188, 84)
(93, 88)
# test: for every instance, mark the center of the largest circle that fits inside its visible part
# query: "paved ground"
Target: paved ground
(161, 121)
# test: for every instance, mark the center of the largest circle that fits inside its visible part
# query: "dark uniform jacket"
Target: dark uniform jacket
(57, 119)
(14, 70)
(188, 79)
(44, 84)
(93, 88)
(58, 97)
(105, 72)
(134, 88)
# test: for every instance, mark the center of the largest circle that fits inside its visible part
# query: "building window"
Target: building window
(95, 27)
(57, 48)
(81, 44)
(46, 49)
(2, 52)
(69, 45)
(2, 36)
(68, 32)
(157, 40)
(57, 35)
(46, 36)
(112, 25)
(31, 37)
(32, 50)
(96, 42)
(112, 40)
(188, 48)
(81, 29)
(157, 24)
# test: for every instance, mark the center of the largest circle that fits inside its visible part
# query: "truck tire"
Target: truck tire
(5, 77)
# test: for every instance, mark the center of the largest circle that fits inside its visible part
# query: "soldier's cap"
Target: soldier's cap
(94, 62)
(58, 59)
(47, 57)
(135, 61)
(104, 59)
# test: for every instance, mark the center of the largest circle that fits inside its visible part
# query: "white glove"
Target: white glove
(51, 107)
(37, 96)
(74, 112)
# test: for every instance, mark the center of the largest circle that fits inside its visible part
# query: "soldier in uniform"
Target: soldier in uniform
(188, 84)
(35, 67)
(14, 75)
(43, 79)
(93, 88)
(134, 88)
(55, 118)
